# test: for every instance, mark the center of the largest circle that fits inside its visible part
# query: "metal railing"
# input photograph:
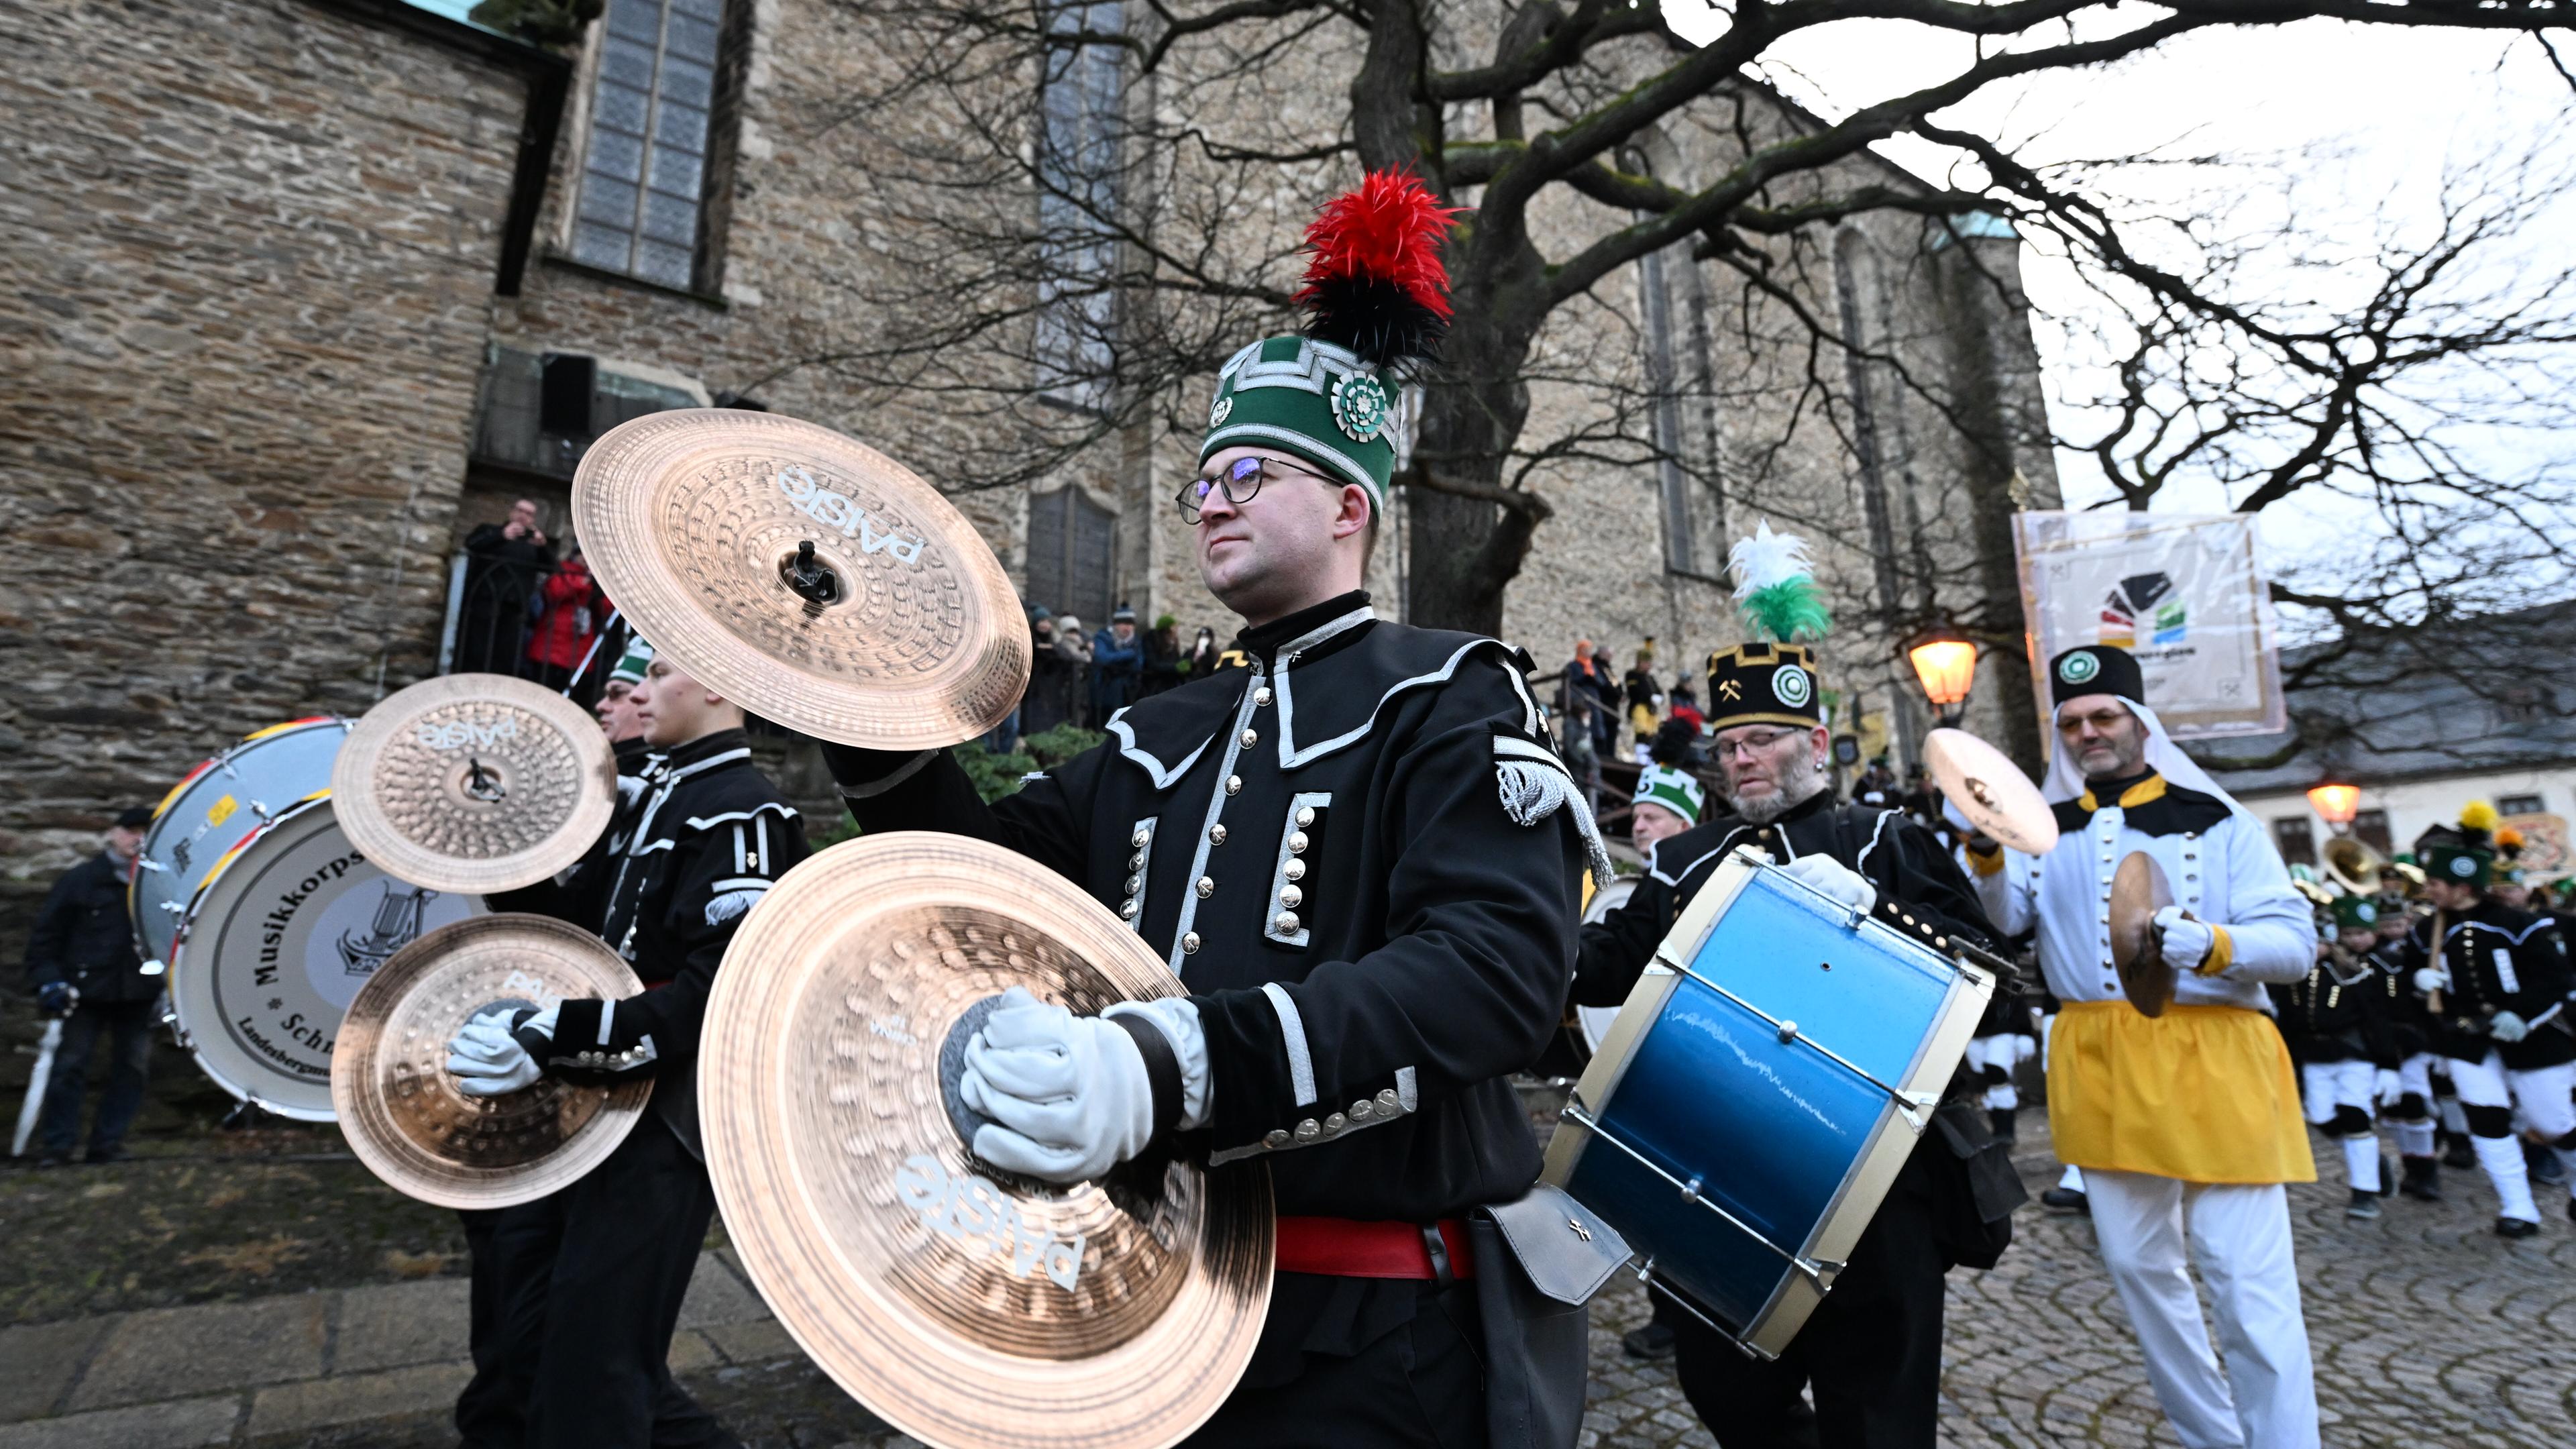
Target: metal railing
(499, 621)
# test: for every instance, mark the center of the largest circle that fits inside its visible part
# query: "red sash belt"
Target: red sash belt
(1349, 1248)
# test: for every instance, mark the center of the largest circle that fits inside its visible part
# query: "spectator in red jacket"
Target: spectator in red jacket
(570, 619)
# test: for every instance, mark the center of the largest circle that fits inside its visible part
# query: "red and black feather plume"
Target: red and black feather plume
(1377, 285)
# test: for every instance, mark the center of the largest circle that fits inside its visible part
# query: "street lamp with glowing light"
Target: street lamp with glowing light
(1945, 664)
(2337, 804)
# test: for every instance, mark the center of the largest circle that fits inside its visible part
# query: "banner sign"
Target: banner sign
(2182, 592)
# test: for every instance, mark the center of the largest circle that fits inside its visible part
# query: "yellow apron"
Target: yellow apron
(2201, 1093)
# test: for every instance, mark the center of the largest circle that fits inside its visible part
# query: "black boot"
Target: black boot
(1999, 1120)
(2459, 1154)
(1653, 1342)
(2516, 1228)
(2543, 1165)
(2423, 1180)
(2364, 1204)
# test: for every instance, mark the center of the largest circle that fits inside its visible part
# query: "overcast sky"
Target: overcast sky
(2393, 107)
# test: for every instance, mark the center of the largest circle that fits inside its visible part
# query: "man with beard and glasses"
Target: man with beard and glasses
(1872, 1351)
(2186, 1124)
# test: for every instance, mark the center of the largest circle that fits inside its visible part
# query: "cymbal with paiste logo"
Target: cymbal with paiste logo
(1990, 790)
(474, 783)
(803, 575)
(966, 1306)
(401, 1110)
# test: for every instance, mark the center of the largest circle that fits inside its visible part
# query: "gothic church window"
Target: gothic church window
(1073, 554)
(644, 175)
(1077, 184)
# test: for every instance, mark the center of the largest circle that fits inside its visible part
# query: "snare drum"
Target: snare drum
(219, 802)
(1758, 1093)
(288, 924)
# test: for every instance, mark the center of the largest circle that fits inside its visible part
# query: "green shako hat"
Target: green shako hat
(2463, 854)
(1379, 296)
(632, 664)
(1672, 789)
(2356, 913)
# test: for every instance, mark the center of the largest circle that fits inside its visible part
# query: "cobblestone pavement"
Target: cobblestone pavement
(2428, 1331)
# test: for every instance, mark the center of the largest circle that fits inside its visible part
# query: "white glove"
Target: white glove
(1068, 1095)
(2504, 1026)
(2389, 1088)
(2187, 942)
(2430, 979)
(1834, 880)
(487, 1059)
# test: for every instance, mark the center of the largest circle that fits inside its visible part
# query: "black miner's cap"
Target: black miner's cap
(1763, 683)
(2095, 669)
(133, 817)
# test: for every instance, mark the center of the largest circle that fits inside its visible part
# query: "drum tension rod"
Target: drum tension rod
(1646, 1274)
(1820, 1274)
(1914, 1106)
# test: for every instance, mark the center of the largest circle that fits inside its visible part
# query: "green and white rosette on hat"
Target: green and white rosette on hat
(1379, 298)
(1672, 789)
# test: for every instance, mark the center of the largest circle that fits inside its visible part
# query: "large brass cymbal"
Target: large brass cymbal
(967, 1307)
(401, 1110)
(474, 783)
(1990, 790)
(2138, 891)
(908, 634)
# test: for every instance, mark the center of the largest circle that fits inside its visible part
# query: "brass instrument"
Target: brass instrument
(2352, 865)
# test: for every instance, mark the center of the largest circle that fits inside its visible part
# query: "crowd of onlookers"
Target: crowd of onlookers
(528, 609)
(1082, 679)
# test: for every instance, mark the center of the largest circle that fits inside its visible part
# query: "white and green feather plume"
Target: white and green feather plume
(1776, 588)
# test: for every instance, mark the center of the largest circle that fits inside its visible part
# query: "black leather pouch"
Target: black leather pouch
(1539, 1261)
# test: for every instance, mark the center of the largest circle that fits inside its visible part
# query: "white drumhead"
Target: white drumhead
(1595, 1020)
(280, 937)
(220, 803)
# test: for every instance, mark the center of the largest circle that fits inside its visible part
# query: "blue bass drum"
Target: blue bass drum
(1757, 1093)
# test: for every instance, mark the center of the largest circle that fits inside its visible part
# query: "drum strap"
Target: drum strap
(1349, 1248)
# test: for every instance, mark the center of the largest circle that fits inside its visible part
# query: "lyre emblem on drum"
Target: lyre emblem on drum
(397, 921)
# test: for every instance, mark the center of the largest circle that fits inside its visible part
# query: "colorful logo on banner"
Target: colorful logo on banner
(2144, 596)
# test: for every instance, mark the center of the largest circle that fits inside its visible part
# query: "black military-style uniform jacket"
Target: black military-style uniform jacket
(2338, 1012)
(2498, 959)
(1921, 890)
(1896, 854)
(85, 936)
(1363, 860)
(691, 849)
(2400, 1009)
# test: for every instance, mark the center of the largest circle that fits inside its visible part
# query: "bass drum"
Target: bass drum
(1592, 1023)
(288, 924)
(219, 803)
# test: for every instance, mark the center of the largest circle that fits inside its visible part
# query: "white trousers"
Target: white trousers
(2006, 1051)
(2152, 1231)
(2541, 1104)
(2329, 1085)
